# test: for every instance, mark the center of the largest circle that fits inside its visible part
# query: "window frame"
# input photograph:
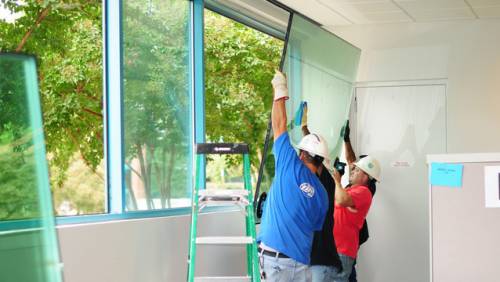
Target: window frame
(113, 110)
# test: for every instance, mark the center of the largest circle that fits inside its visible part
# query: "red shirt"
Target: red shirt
(348, 221)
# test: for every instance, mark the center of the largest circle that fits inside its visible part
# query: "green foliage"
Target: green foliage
(66, 37)
(18, 190)
(68, 45)
(240, 64)
(157, 102)
(83, 190)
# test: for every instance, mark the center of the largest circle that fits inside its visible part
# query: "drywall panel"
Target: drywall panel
(399, 125)
(148, 250)
(463, 52)
(464, 232)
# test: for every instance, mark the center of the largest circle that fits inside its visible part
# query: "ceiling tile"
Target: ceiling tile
(346, 12)
(388, 17)
(375, 7)
(356, 11)
(487, 12)
(355, 1)
(483, 3)
(341, 8)
(411, 5)
(442, 14)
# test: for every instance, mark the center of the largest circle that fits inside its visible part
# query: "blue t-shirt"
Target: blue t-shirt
(296, 205)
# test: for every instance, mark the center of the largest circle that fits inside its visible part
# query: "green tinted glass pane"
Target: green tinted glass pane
(157, 104)
(321, 69)
(25, 255)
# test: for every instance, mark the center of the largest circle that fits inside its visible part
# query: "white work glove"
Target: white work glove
(279, 86)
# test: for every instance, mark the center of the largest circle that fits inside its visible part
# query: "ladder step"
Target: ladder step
(223, 197)
(221, 148)
(225, 240)
(222, 202)
(223, 193)
(224, 279)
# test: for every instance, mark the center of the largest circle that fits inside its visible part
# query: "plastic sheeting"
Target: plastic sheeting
(30, 254)
(321, 69)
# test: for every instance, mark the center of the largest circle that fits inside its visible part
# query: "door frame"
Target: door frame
(401, 83)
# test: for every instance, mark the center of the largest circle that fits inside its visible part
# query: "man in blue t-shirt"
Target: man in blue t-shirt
(297, 201)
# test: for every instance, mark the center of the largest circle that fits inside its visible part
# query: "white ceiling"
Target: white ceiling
(331, 13)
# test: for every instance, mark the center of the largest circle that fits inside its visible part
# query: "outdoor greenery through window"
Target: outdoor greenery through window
(66, 38)
(157, 104)
(239, 65)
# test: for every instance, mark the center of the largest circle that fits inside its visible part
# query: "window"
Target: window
(239, 65)
(154, 48)
(157, 104)
(67, 45)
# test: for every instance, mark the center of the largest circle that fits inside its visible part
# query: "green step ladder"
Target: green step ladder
(243, 199)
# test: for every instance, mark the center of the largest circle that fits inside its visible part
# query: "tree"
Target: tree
(66, 38)
(240, 64)
(156, 102)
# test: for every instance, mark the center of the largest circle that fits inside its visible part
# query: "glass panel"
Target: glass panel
(157, 104)
(321, 69)
(25, 255)
(239, 65)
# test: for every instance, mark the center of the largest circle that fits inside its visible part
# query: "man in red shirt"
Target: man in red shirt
(351, 207)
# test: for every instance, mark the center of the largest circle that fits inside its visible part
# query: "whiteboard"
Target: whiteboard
(464, 233)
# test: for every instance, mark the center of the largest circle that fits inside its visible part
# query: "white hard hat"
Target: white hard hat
(315, 145)
(370, 166)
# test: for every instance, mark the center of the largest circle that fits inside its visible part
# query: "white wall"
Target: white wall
(466, 53)
(466, 56)
(148, 250)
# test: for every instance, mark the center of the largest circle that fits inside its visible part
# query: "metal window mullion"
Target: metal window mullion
(198, 76)
(113, 106)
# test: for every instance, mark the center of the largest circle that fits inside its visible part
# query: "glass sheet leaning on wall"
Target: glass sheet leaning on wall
(25, 254)
(321, 69)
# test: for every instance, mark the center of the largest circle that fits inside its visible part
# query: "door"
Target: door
(399, 125)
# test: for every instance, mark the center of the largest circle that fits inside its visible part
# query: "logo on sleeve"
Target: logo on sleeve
(307, 189)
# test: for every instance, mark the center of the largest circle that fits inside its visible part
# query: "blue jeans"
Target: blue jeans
(353, 276)
(323, 273)
(284, 269)
(347, 263)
